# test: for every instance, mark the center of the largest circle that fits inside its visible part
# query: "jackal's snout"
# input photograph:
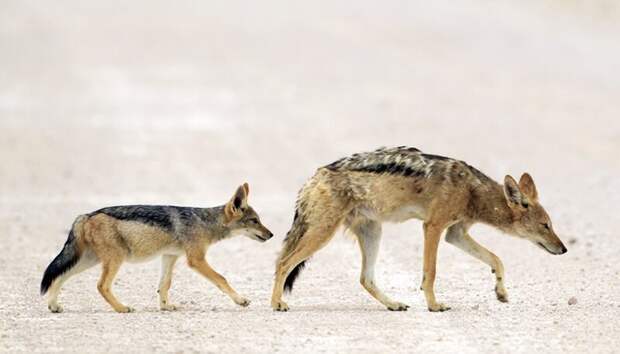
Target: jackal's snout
(554, 246)
(260, 232)
(267, 236)
(563, 250)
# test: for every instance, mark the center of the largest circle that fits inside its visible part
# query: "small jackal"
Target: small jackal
(398, 184)
(138, 233)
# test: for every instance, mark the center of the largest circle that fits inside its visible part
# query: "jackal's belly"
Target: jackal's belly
(399, 214)
(146, 242)
(145, 255)
(405, 213)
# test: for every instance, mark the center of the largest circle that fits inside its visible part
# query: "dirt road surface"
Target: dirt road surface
(178, 103)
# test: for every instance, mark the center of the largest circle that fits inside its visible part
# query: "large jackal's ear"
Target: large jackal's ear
(513, 194)
(239, 201)
(527, 186)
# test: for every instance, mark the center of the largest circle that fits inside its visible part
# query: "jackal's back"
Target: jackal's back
(402, 160)
(408, 162)
(145, 231)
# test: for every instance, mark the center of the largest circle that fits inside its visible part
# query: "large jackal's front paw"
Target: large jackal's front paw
(437, 307)
(279, 306)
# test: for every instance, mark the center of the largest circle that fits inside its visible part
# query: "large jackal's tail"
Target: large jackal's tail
(295, 234)
(292, 238)
(67, 258)
(290, 280)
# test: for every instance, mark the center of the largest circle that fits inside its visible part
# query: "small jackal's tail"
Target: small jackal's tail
(67, 258)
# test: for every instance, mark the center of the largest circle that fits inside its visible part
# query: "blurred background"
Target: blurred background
(185, 100)
(162, 102)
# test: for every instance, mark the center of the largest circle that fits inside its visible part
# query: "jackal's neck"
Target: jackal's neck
(490, 207)
(214, 222)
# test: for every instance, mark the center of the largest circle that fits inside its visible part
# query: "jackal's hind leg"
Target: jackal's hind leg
(87, 261)
(369, 236)
(167, 265)
(110, 268)
(457, 235)
(315, 238)
(284, 267)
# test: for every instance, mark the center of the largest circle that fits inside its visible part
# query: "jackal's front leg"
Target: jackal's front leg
(201, 266)
(432, 234)
(457, 235)
(167, 265)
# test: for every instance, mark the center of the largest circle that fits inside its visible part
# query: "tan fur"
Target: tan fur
(110, 241)
(452, 196)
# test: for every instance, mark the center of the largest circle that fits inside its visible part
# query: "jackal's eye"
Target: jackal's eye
(546, 226)
(254, 221)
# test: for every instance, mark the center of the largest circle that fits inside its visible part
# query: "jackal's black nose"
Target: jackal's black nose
(564, 250)
(270, 234)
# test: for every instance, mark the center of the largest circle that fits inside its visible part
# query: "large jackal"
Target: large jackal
(398, 184)
(138, 233)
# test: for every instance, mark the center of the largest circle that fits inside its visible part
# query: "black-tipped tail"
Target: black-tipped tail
(290, 280)
(65, 260)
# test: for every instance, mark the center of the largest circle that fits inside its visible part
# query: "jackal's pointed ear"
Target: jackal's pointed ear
(237, 203)
(229, 212)
(246, 186)
(240, 199)
(527, 186)
(512, 192)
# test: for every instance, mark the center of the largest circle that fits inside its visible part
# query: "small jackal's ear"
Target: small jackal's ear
(512, 192)
(527, 186)
(237, 203)
(229, 212)
(246, 186)
(240, 199)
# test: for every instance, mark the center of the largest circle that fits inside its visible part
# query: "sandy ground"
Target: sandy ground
(136, 102)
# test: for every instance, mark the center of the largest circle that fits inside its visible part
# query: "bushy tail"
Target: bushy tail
(295, 234)
(66, 259)
(290, 280)
(297, 231)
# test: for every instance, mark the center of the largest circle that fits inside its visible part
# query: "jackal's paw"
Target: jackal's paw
(438, 308)
(502, 295)
(168, 307)
(280, 306)
(55, 308)
(243, 302)
(125, 309)
(398, 306)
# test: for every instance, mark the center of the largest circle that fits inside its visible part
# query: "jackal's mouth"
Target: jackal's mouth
(261, 238)
(545, 248)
